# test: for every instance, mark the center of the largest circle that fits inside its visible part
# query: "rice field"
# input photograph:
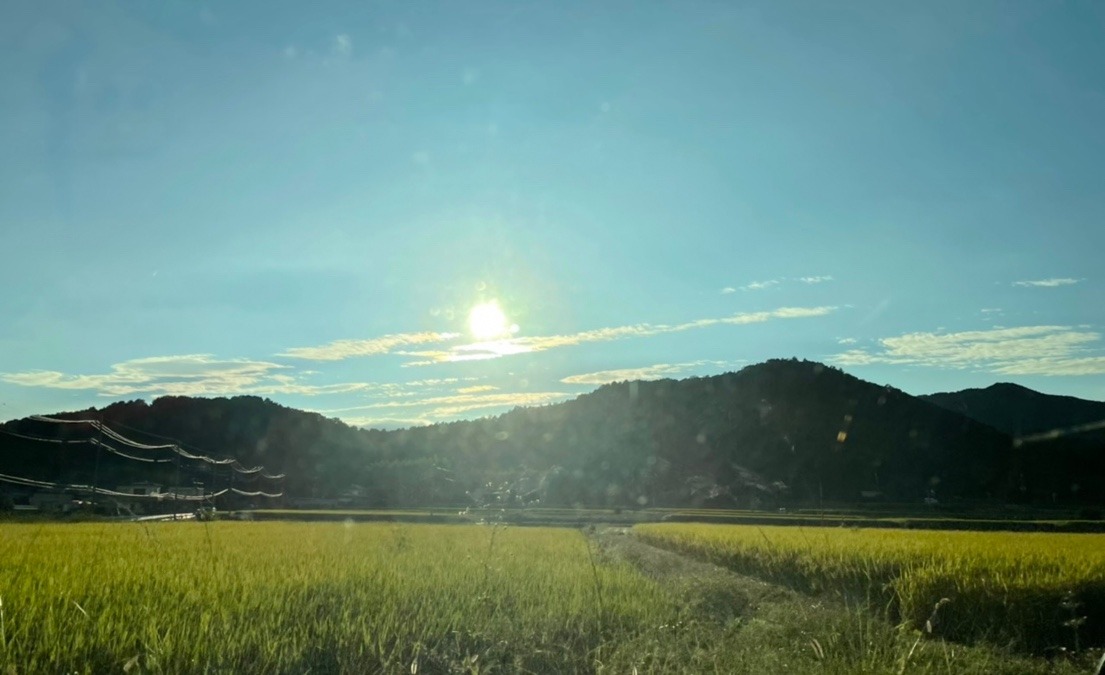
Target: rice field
(1035, 591)
(279, 597)
(272, 597)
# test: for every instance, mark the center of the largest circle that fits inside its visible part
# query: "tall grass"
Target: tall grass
(1038, 591)
(275, 597)
(385, 598)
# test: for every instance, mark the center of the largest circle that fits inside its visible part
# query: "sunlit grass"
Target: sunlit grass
(280, 597)
(1028, 588)
(239, 597)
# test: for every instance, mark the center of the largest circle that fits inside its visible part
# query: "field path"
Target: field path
(712, 591)
(764, 627)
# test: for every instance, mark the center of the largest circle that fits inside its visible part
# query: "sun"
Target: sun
(487, 321)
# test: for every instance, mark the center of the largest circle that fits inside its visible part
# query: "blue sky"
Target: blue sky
(306, 203)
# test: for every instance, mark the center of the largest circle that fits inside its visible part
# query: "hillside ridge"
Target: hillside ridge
(778, 433)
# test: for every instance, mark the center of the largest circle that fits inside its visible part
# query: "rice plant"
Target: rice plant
(1004, 587)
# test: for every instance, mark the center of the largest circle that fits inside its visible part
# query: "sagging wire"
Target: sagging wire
(233, 463)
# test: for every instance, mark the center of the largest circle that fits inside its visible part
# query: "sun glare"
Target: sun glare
(487, 321)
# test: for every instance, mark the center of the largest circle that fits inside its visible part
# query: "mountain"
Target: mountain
(1020, 411)
(797, 428)
(1060, 439)
(779, 433)
(309, 448)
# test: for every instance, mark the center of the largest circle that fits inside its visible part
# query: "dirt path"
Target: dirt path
(754, 626)
(711, 591)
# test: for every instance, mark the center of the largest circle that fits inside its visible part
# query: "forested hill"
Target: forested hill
(780, 432)
(1061, 439)
(1019, 410)
(316, 454)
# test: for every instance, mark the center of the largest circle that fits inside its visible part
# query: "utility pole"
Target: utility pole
(96, 466)
(176, 486)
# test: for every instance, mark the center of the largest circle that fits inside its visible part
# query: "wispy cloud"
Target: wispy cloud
(477, 389)
(342, 46)
(184, 375)
(846, 341)
(1047, 283)
(1026, 350)
(205, 375)
(373, 422)
(437, 408)
(770, 283)
(523, 345)
(760, 285)
(345, 349)
(653, 372)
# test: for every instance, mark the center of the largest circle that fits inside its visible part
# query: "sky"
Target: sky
(398, 213)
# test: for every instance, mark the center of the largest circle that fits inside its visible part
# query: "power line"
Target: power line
(103, 431)
(178, 447)
(30, 482)
(120, 453)
(102, 427)
(271, 495)
(59, 420)
(123, 439)
(175, 441)
(62, 441)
